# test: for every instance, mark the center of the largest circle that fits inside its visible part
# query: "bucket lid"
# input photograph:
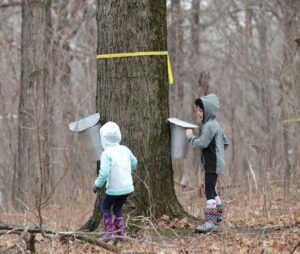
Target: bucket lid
(181, 123)
(85, 123)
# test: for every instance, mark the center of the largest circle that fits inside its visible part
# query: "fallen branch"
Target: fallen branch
(15, 229)
(16, 245)
(260, 230)
(97, 242)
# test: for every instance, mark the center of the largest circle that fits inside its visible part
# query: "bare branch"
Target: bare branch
(12, 4)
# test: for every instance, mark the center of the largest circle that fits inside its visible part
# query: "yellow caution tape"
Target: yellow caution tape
(149, 53)
(291, 120)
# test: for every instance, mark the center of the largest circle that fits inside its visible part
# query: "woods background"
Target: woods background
(247, 52)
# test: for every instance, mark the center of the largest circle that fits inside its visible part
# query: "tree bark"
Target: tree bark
(265, 66)
(297, 82)
(133, 92)
(94, 220)
(29, 179)
(195, 28)
(176, 53)
(288, 81)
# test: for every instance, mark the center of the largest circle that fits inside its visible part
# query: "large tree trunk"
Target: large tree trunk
(31, 170)
(133, 92)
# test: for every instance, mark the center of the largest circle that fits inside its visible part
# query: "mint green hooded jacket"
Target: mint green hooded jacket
(117, 162)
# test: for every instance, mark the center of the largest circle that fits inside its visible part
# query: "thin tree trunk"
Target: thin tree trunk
(176, 52)
(297, 82)
(264, 77)
(247, 89)
(288, 88)
(195, 26)
(265, 66)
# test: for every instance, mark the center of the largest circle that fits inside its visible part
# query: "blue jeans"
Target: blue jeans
(115, 202)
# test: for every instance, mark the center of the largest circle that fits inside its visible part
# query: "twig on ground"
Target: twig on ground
(295, 247)
(20, 249)
(3, 250)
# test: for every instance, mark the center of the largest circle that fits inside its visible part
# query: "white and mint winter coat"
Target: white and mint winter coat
(212, 140)
(117, 162)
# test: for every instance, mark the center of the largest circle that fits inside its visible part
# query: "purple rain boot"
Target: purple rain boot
(109, 227)
(120, 227)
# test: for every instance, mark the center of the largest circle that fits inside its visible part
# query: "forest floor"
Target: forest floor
(248, 228)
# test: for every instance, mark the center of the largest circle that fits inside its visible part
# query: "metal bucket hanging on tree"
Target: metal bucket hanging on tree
(179, 143)
(89, 136)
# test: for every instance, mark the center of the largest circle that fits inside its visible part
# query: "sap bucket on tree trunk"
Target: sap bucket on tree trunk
(89, 136)
(179, 143)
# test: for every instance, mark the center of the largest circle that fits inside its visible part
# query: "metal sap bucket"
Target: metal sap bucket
(89, 136)
(179, 143)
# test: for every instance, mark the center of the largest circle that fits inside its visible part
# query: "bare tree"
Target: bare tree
(289, 85)
(250, 48)
(134, 93)
(31, 167)
(175, 38)
(264, 64)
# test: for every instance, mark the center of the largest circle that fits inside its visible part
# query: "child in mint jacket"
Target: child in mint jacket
(117, 163)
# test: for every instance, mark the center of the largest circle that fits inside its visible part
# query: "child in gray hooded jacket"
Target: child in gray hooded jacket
(213, 142)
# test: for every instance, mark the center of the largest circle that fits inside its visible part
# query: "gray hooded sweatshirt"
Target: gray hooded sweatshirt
(212, 140)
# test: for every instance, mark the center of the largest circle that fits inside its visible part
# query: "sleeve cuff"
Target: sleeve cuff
(190, 138)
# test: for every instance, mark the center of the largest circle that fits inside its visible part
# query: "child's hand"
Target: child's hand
(95, 188)
(189, 132)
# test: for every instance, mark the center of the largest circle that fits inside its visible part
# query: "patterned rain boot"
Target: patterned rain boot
(120, 226)
(220, 209)
(109, 227)
(210, 216)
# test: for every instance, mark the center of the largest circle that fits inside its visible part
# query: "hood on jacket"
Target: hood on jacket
(211, 106)
(110, 134)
